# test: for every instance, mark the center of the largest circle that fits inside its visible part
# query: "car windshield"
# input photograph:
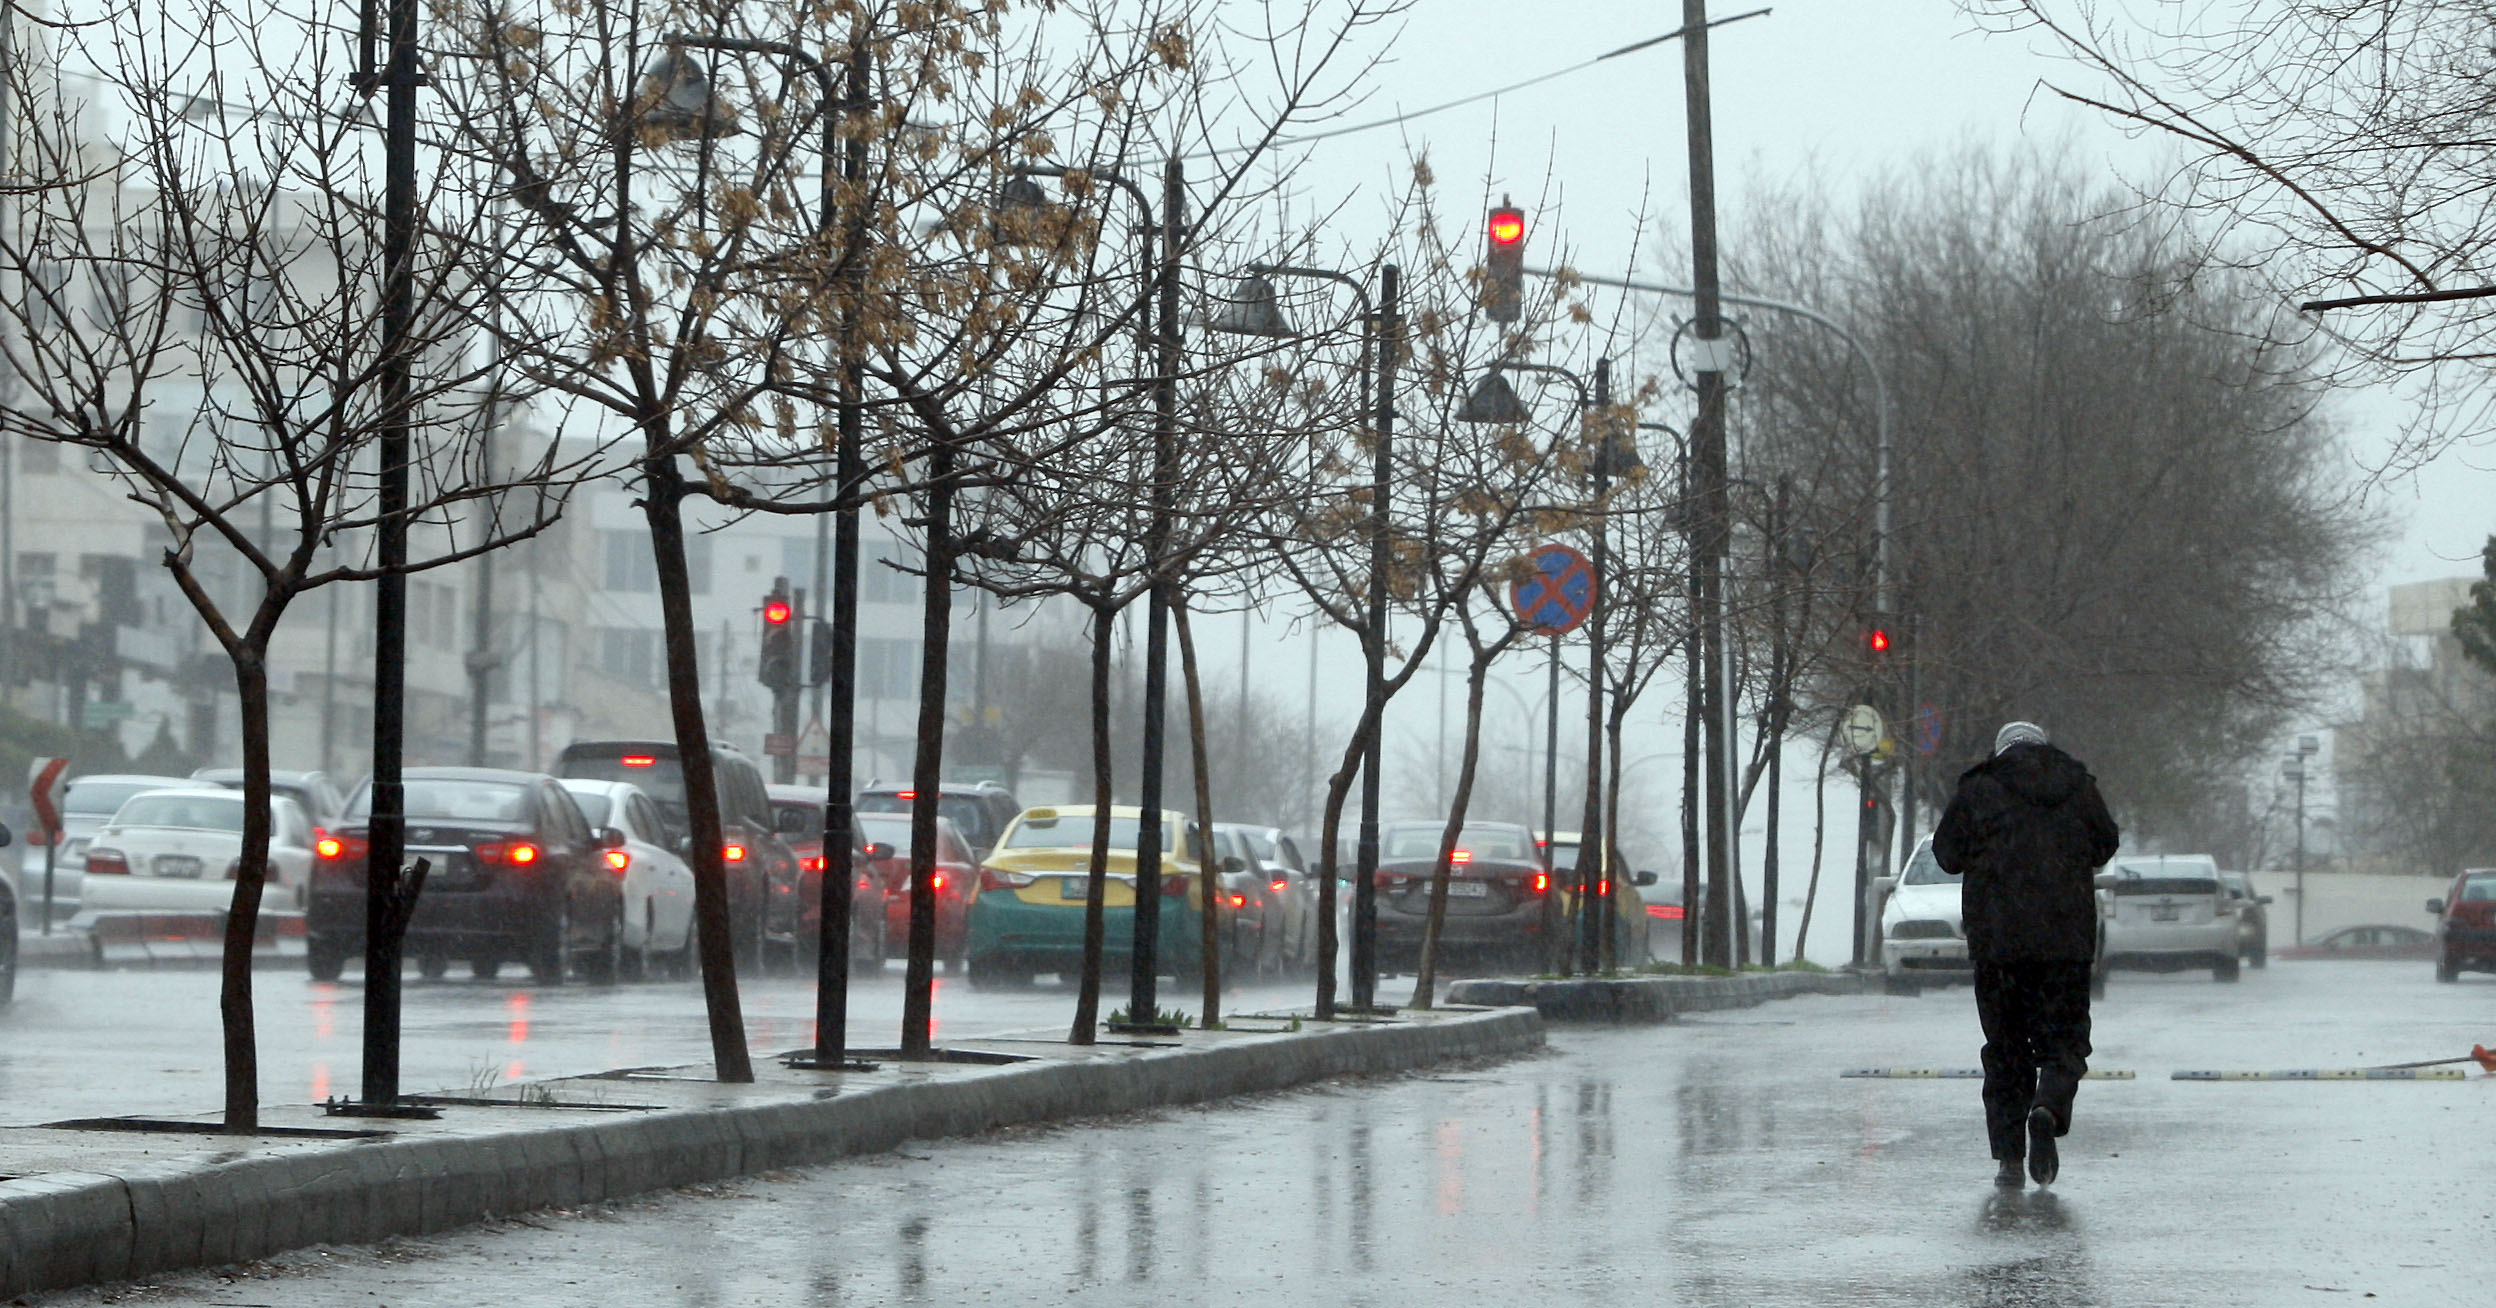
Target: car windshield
(1074, 831)
(2476, 888)
(658, 775)
(886, 829)
(444, 800)
(103, 798)
(594, 805)
(192, 812)
(2153, 876)
(965, 812)
(1481, 842)
(1925, 870)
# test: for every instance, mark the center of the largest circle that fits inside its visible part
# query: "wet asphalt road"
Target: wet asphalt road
(145, 1041)
(1717, 1160)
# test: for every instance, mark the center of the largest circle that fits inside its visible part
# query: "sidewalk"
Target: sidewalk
(112, 1199)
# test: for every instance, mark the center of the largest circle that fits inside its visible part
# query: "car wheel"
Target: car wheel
(998, 974)
(8, 952)
(323, 960)
(484, 966)
(550, 958)
(2448, 968)
(605, 961)
(2260, 955)
(2224, 970)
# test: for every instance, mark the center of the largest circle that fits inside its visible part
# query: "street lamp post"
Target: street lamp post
(1254, 311)
(2307, 747)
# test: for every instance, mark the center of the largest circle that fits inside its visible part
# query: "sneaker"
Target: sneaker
(2042, 1162)
(2009, 1177)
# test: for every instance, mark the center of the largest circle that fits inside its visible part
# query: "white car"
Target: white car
(658, 885)
(2168, 913)
(177, 851)
(1920, 926)
(87, 803)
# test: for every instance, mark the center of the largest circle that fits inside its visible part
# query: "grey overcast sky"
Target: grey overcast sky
(1838, 89)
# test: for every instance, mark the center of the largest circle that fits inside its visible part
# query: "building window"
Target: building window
(629, 565)
(630, 654)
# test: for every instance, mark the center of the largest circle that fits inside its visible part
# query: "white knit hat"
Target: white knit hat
(2018, 733)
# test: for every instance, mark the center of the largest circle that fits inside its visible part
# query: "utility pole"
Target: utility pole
(1593, 868)
(1707, 449)
(2307, 747)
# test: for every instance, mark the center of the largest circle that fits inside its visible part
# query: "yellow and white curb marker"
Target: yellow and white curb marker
(2332, 1074)
(1960, 1074)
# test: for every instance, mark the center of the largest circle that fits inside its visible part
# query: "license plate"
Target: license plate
(2164, 914)
(1072, 887)
(176, 865)
(1468, 890)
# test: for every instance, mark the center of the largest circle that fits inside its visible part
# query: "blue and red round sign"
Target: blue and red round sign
(1558, 594)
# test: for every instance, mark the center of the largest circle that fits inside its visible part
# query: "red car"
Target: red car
(887, 836)
(797, 812)
(2465, 925)
(2376, 942)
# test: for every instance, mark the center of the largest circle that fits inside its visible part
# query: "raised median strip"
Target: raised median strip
(94, 1202)
(1654, 998)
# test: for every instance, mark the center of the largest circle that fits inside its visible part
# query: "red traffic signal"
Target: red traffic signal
(777, 612)
(1877, 640)
(1503, 272)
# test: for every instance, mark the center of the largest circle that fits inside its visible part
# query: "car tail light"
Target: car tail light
(1666, 912)
(936, 882)
(107, 862)
(814, 863)
(1604, 887)
(618, 860)
(332, 849)
(1542, 883)
(1461, 856)
(639, 761)
(515, 853)
(906, 794)
(1175, 883)
(1278, 887)
(1239, 901)
(734, 853)
(997, 878)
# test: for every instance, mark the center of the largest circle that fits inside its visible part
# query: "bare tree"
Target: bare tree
(192, 303)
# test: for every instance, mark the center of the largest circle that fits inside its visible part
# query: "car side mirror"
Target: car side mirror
(610, 838)
(1235, 864)
(1884, 884)
(876, 851)
(2107, 880)
(1642, 878)
(2436, 906)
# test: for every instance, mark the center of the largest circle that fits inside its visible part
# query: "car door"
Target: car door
(672, 888)
(290, 850)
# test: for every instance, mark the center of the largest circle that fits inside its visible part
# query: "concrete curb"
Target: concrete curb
(1655, 998)
(150, 1203)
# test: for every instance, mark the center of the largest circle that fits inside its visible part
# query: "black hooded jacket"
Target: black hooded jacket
(2028, 832)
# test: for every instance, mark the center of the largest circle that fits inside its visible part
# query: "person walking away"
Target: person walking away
(2027, 832)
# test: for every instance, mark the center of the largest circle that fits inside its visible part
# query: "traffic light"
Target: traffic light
(777, 668)
(1503, 275)
(1876, 641)
(818, 651)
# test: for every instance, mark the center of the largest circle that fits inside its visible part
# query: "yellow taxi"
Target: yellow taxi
(1028, 917)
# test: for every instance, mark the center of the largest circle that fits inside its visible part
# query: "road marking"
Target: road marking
(2332, 1074)
(1964, 1074)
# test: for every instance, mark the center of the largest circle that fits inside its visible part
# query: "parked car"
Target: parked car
(2253, 924)
(762, 870)
(1921, 929)
(980, 810)
(2465, 925)
(320, 797)
(2381, 941)
(8, 927)
(516, 872)
(1029, 913)
(955, 880)
(657, 883)
(179, 851)
(1284, 888)
(1629, 905)
(1497, 889)
(87, 803)
(2167, 913)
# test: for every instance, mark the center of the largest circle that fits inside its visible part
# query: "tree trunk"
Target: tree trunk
(1096, 880)
(1425, 979)
(1330, 833)
(1819, 831)
(1208, 870)
(927, 770)
(242, 918)
(661, 506)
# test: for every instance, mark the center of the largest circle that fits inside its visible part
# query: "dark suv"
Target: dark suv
(2465, 925)
(514, 872)
(980, 810)
(762, 869)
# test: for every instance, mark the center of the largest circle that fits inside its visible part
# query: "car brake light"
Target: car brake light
(639, 761)
(517, 853)
(1279, 887)
(906, 794)
(936, 882)
(992, 878)
(1461, 856)
(1604, 887)
(329, 847)
(619, 860)
(1542, 882)
(1239, 901)
(735, 853)
(107, 862)
(1667, 912)
(812, 863)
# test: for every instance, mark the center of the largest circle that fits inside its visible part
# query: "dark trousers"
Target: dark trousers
(2036, 1020)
